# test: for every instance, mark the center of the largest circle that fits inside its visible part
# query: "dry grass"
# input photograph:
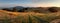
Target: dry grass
(23, 16)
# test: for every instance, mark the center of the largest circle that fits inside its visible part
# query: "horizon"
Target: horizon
(30, 3)
(26, 6)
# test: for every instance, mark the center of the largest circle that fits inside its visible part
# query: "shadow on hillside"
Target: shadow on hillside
(36, 10)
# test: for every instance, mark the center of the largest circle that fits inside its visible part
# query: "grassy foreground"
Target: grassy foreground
(30, 17)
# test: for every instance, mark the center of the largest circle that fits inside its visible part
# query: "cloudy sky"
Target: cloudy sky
(29, 3)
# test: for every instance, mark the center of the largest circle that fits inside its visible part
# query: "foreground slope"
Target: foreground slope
(27, 17)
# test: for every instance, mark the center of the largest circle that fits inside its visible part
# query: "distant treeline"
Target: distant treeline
(38, 9)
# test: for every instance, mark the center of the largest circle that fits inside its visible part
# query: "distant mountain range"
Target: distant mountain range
(29, 9)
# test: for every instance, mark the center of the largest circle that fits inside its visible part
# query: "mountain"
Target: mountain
(37, 9)
(1, 8)
(26, 9)
(17, 8)
(30, 9)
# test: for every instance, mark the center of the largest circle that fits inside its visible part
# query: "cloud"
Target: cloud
(30, 5)
(33, 3)
(45, 1)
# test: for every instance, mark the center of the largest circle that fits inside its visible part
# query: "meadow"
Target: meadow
(27, 17)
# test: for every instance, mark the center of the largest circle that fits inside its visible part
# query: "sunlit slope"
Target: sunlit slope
(28, 17)
(3, 13)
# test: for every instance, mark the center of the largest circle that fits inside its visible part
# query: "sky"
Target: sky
(29, 3)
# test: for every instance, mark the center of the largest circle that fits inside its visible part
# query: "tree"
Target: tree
(6, 9)
(53, 9)
(21, 10)
(14, 9)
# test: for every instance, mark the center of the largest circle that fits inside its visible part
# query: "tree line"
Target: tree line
(51, 9)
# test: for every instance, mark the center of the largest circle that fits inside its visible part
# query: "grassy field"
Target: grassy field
(27, 17)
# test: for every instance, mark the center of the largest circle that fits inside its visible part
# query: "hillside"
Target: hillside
(29, 15)
(23, 16)
(32, 9)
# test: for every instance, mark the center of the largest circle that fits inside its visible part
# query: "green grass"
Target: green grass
(40, 20)
(18, 18)
(23, 21)
(45, 19)
(30, 19)
(6, 20)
